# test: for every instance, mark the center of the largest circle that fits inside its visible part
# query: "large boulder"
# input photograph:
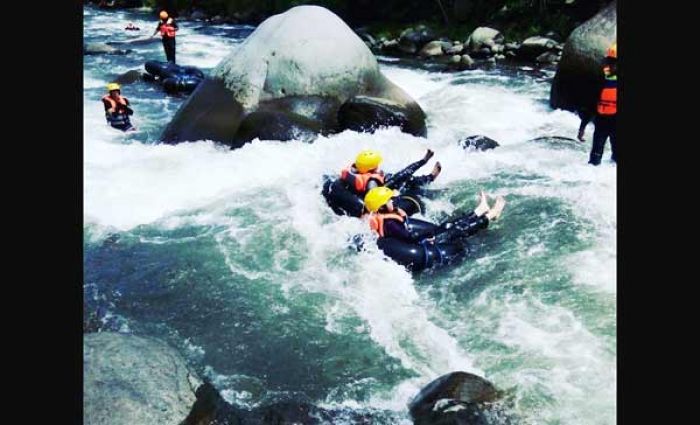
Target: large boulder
(300, 66)
(457, 398)
(130, 380)
(577, 82)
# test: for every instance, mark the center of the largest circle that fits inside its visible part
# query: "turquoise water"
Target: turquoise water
(234, 258)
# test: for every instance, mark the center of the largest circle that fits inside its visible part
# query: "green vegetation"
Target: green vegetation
(455, 19)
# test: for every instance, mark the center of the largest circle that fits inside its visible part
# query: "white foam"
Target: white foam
(127, 184)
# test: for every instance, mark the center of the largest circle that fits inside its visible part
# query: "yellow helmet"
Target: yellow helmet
(113, 86)
(164, 15)
(378, 197)
(612, 51)
(367, 160)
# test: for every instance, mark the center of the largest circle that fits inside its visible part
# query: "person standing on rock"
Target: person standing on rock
(117, 108)
(167, 28)
(606, 118)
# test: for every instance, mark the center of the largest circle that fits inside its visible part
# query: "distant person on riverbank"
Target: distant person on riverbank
(606, 118)
(117, 108)
(167, 28)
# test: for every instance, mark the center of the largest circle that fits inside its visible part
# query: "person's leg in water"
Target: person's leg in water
(586, 117)
(613, 137)
(600, 135)
(169, 47)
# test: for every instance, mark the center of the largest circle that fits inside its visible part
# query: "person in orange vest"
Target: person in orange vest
(387, 221)
(364, 174)
(606, 118)
(117, 108)
(167, 28)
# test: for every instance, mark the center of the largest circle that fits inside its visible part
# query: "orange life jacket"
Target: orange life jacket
(359, 180)
(376, 220)
(607, 105)
(166, 29)
(113, 103)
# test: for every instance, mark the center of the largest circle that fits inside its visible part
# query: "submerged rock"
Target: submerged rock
(102, 49)
(481, 143)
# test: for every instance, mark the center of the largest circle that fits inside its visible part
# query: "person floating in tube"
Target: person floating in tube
(392, 224)
(167, 28)
(117, 108)
(606, 118)
(132, 27)
(364, 174)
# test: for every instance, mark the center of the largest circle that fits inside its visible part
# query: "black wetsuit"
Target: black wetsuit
(409, 243)
(120, 118)
(404, 179)
(586, 117)
(168, 42)
(414, 230)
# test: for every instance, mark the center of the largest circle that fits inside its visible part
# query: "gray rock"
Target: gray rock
(289, 67)
(434, 48)
(455, 49)
(455, 398)
(481, 143)
(500, 57)
(417, 36)
(102, 49)
(467, 61)
(407, 46)
(366, 114)
(536, 46)
(390, 44)
(130, 77)
(455, 59)
(484, 37)
(130, 380)
(546, 57)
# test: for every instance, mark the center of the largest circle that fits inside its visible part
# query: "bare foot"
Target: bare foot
(497, 209)
(436, 170)
(483, 206)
